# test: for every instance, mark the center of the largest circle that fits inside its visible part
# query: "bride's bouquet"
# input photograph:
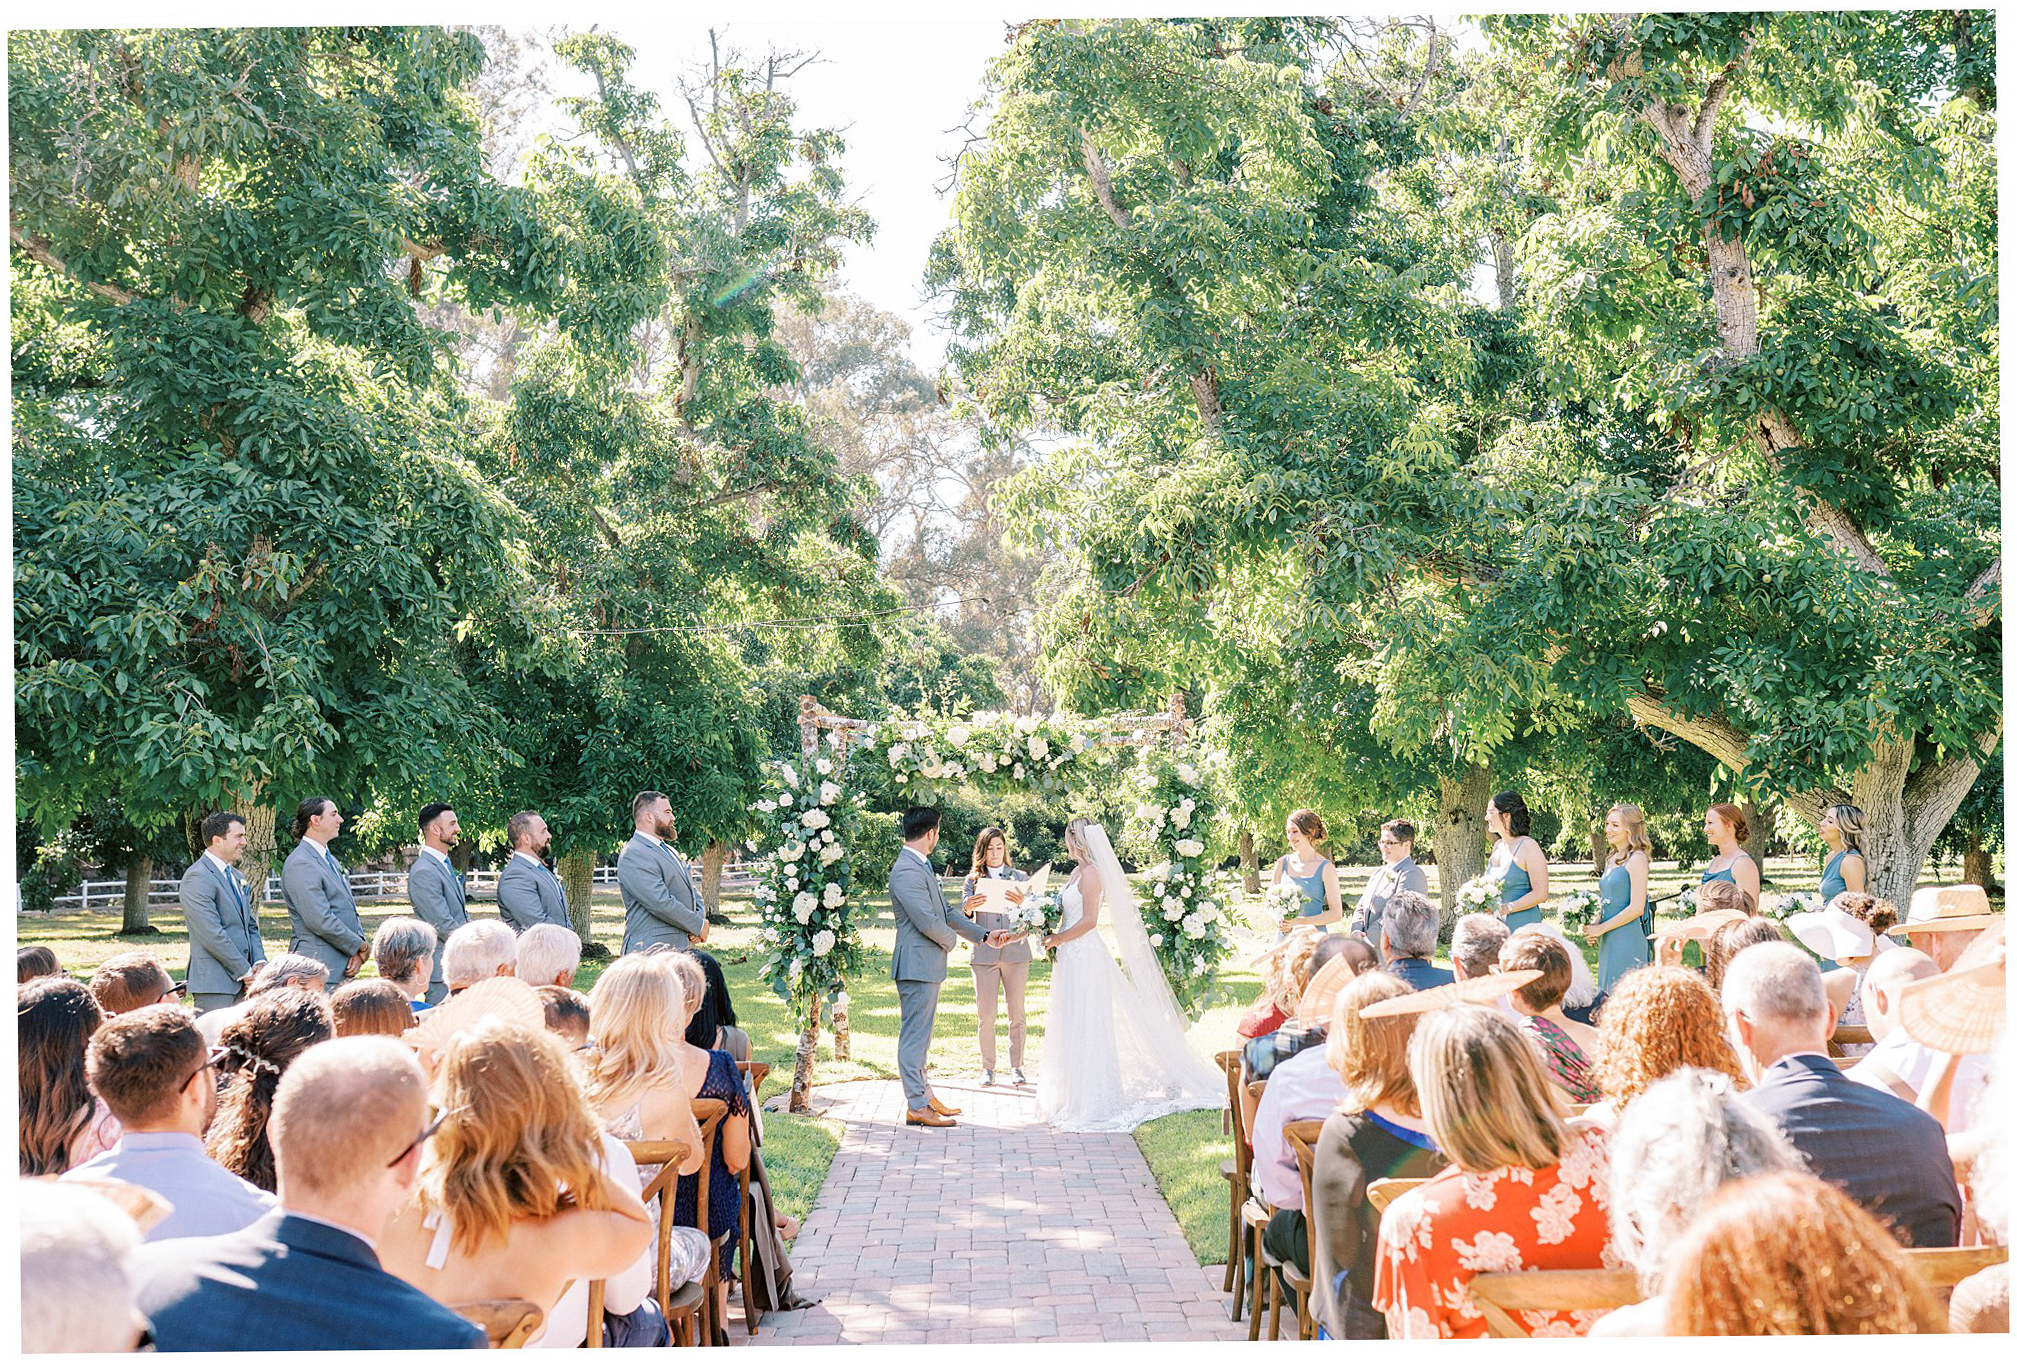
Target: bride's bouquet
(1481, 894)
(1580, 909)
(1040, 914)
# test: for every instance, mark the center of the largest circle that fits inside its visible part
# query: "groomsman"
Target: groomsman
(658, 902)
(528, 893)
(320, 909)
(1398, 872)
(224, 947)
(435, 887)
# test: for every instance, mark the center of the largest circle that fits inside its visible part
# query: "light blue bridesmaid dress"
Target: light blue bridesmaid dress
(1517, 886)
(1623, 948)
(1832, 883)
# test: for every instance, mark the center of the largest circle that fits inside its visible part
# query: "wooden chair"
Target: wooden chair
(506, 1324)
(1498, 1295)
(1234, 1171)
(1944, 1268)
(680, 1308)
(1382, 1191)
(1254, 1214)
(708, 1114)
(754, 1072)
(1302, 1138)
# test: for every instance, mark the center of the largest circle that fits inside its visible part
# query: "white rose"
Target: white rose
(1026, 723)
(1019, 772)
(987, 762)
(796, 969)
(1194, 926)
(1173, 913)
(767, 806)
(901, 778)
(1187, 773)
(1211, 911)
(1199, 967)
(792, 851)
(822, 942)
(897, 753)
(1156, 940)
(1190, 847)
(1038, 747)
(791, 881)
(823, 767)
(815, 818)
(931, 771)
(1189, 803)
(1181, 818)
(831, 853)
(957, 735)
(804, 902)
(833, 896)
(828, 792)
(784, 800)
(790, 776)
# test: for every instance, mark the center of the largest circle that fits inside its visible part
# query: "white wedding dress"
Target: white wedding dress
(1115, 1054)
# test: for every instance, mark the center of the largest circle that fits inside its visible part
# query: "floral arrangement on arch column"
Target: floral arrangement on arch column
(806, 888)
(1185, 902)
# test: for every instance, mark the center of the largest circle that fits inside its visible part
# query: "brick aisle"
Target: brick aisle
(999, 1229)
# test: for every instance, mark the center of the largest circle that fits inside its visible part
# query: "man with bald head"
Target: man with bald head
(348, 1123)
(1898, 1064)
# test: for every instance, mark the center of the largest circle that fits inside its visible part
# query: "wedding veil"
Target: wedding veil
(1160, 1022)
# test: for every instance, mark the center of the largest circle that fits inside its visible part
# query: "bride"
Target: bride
(1114, 1053)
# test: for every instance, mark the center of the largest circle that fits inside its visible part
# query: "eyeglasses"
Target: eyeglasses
(177, 987)
(210, 1059)
(421, 1139)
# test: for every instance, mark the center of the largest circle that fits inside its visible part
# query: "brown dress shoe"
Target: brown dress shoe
(940, 1108)
(926, 1117)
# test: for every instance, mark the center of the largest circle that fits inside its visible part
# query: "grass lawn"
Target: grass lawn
(1183, 1151)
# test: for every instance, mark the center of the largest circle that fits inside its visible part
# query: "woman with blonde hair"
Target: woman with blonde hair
(1661, 1020)
(1377, 1132)
(1788, 1254)
(1313, 874)
(1727, 830)
(515, 1195)
(1841, 830)
(1281, 987)
(1525, 1188)
(1623, 929)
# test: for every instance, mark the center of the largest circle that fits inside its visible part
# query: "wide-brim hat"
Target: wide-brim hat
(1947, 908)
(1832, 933)
(1321, 993)
(1477, 989)
(1702, 926)
(501, 996)
(1960, 1012)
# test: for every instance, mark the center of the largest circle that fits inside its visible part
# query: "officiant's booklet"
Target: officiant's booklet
(996, 892)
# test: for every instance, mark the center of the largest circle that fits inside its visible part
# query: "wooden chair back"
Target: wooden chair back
(660, 1188)
(1943, 1268)
(708, 1114)
(1382, 1191)
(1302, 1139)
(1498, 1295)
(1228, 1063)
(507, 1324)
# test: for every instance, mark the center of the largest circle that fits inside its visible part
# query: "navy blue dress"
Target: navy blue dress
(724, 1189)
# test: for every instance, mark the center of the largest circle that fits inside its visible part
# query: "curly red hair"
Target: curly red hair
(1658, 1019)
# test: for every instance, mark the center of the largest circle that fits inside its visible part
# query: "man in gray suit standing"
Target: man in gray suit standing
(1397, 873)
(434, 886)
(224, 947)
(320, 909)
(658, 902)
(927, 927)
(528, 893)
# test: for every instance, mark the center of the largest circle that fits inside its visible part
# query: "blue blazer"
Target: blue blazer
(1417, 973)
(286, 1282)
(1886, 1154)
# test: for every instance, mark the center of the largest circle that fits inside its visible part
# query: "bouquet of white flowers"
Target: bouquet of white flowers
(1802, 901)
(1280, 903)
(1684, 904)
(1580, 910)
(1481, 894)
(1040, 914)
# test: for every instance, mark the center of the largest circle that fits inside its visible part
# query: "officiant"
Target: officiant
(997, 971)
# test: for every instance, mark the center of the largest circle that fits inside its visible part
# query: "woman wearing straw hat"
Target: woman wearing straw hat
(1944, 921)
(1847, 868)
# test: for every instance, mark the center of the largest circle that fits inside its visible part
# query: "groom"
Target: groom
(925, 931)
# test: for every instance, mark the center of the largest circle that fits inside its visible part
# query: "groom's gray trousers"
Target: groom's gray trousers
(927, 927)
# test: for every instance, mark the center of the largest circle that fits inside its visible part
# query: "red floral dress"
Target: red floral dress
(1435, 1238)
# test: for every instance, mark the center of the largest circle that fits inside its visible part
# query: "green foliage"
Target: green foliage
(810, 833)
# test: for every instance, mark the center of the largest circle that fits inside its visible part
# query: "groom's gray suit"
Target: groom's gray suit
(927, 927)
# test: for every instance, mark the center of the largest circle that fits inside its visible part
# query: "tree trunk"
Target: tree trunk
(840, 1027)
(1598, 848)
(1759, 830)
(712, 858)
(577, 879)
(464, 857)
(1977, 867)
(260, 849)
(139, 874)
(1250, 863)
(1460, 832)
(801, 1072)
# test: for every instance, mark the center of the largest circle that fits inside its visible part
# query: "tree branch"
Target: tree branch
(1103, 185)
(1990, 581)
(41, 250)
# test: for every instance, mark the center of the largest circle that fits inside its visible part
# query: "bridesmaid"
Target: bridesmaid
(1620, 929)
(1842, 830)
(1310, 871)
(1726, 829)
(1519, 857)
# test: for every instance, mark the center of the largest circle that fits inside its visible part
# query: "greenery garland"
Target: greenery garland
(929, 754)
(805, 888)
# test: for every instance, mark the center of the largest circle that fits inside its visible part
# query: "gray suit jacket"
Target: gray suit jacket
(1387, 882)
(658, 902)
(983, 954)
(438, 900)
(320, 911)
(224, 940)
(528, 894)
(926, 926)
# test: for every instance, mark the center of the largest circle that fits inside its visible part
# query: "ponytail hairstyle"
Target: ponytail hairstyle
(1849, 819)
(1310, 824)
(307, 810)
(258, 1047)
(1514, 810)
(1635, 835)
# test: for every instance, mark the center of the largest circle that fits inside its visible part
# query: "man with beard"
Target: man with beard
(528, 893)
(155, 1074)
(435, 887)
(658, 899)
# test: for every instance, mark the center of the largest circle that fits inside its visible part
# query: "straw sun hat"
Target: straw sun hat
(1702, 926)
(1961, 1011)
(1947, 908)
(1477, 989)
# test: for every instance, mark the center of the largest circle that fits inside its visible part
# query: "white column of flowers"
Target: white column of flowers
(1185, 902)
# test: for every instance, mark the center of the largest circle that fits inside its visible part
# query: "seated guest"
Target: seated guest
(1898, 1063)
(1303, 1028)
(1846, 935)
(258, 1048)
(1981, 1303)
(1563, 1045)
(349, 1122)
(1715, 895)
(1945, 920)
(1887, 1155)
(1684, 1138)
(1475, 943)
(32, 963)
(566, 1015)
(285, 971)
(403, 950)
(1280, 985)
(158, 1078)
(1581, 1002)
(1523, 1189)
(714, 1075)
(130, 980)
(476, 951)
(515, 1197)
(1306, 1087)
(76, 1287)
(1408, 941)
(1788, 1254)
(1660, 1019)
(1731, 938)
(713, 1027)
(62, 1122)
(371, 1008)
(548, 954)
(1377, 1132)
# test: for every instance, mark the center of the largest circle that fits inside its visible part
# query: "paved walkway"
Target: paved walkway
(999, 1229)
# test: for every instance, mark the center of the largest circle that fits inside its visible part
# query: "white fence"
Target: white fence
(365, 886)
